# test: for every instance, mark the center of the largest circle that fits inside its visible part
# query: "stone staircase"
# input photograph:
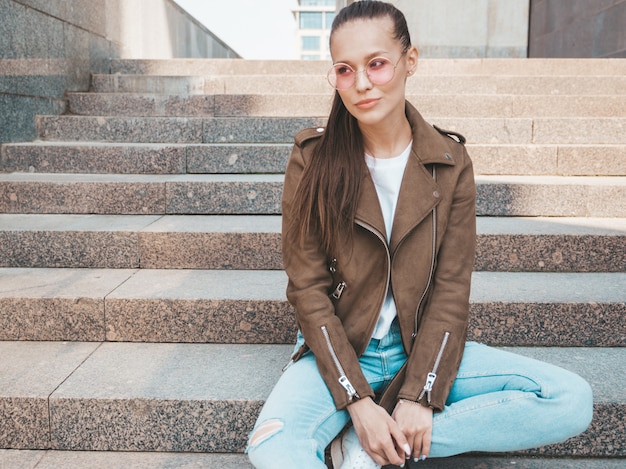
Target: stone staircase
(142, 310)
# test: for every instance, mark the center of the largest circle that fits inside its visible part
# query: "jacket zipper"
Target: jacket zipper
(343, 379)
(432, 265)
(296, 354)
(375, 232)
(341, 286)
(432, 376)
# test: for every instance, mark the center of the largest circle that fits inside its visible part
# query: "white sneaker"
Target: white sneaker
(347, 453)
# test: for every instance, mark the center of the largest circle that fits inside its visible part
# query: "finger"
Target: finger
(417, 447)
(379, 458)
(426, 442)
(402, 447)
(394, 456)
(381, 452)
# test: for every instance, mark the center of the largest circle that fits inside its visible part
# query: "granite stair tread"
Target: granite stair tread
(165, 158)
(205, 397)
(559, 244)
(304, 105)
(194, 158)
(56, 459)
(479, 66)
(233, 306)
(258, 129)
(128, 129)
(141, 194)
(499, 195)
(419, 84)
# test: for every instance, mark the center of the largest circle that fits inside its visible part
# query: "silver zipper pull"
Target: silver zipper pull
(428, 387)
(341, 286)
(347, 385)
(430, 381)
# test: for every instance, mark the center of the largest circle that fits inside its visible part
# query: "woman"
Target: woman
(378, 244)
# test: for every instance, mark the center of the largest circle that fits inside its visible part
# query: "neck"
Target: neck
(387, 140)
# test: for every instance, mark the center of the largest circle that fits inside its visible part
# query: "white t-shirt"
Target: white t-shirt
(387, 175)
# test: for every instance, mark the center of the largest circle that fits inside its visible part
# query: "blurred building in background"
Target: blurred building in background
(314, 19)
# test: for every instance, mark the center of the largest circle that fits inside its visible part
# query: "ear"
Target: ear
(411, 60)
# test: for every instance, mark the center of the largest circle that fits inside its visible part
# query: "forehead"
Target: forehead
(359, 39)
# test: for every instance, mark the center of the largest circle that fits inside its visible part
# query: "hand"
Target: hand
(378, 433)
(416, 422)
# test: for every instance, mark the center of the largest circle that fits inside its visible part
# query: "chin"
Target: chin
(378, 114)
(369, 116)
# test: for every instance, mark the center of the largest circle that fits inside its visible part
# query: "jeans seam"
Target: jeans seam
(452, 413)
(543, 389)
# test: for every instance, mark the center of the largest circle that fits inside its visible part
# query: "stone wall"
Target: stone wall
(48, 47)
(577, 28)
(462, 29)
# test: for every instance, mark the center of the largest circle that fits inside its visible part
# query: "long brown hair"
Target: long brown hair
(327, 196)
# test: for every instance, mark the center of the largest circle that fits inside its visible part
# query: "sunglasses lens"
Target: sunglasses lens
(341, 76)
(380, 71)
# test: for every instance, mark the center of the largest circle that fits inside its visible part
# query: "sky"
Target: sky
(255, 29)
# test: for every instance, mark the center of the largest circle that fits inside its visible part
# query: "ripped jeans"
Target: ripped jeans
(499, 402)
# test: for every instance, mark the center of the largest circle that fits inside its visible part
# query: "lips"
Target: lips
(367, 103)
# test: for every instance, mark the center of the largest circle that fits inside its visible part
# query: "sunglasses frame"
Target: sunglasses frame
(331, 72)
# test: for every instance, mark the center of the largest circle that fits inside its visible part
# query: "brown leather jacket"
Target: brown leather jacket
(428, 263)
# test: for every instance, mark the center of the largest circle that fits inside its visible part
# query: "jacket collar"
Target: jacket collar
(419, 192)
(427, 141)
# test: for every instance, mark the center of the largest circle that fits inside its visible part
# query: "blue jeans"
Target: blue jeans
(499, 402)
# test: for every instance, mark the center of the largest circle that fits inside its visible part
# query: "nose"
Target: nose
(362, 81)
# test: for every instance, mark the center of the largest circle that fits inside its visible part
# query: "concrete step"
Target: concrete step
(253, 242)
(217, 306)
(315, 83)
(261, 194)
(212, 158)
(205, 397)
(479, 66)
(304, 105)
(601, 130)
(55, 459)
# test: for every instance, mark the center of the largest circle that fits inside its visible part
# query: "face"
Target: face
(355, 44)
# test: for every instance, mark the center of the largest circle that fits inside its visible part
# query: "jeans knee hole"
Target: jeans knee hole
(265, 431)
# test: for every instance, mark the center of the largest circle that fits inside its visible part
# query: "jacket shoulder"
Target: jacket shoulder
(308, 134)
(453, 135)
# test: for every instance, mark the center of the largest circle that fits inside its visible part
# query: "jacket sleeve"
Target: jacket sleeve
(438, 347)
(308, 290)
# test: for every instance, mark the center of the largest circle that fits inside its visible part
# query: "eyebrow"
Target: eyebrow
(368, 58)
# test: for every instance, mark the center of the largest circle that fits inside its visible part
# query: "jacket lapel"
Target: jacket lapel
(419, 192)
(369, 210)
(418, 196)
